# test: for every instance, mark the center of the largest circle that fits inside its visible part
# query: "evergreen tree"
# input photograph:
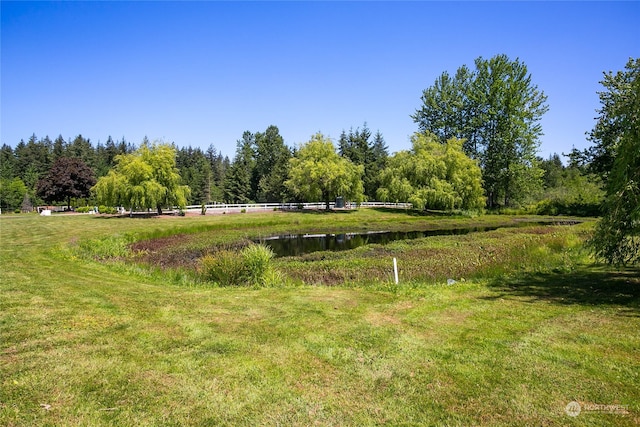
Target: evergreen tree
(59, 148)
(204, 179)
(553, 170)
(21, 161)
(195, 172)
(355, 145)
(37, 155)
(7, 162)
(46, 147)
(81, 148)
(578, 159)
(237, 184)
(125, 147)
(218, 166)
(377, 163)
(271, 166)
(101, 165)
(26, 206)
(32, 161)
(358, 147)
(111, 151)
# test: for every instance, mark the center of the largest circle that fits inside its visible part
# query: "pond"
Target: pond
(300, 244)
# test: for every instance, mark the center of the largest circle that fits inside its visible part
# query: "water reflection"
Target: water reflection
(300, 244)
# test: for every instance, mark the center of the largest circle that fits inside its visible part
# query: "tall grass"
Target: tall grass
(257, 263)
(250, 266)
(109, 247)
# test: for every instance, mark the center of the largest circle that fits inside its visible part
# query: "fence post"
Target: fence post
(395, 270)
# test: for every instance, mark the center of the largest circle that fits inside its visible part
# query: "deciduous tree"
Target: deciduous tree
(162, 158)
(617, 236)
(12, 192)
(147, 178)
(433, 176)
(496, 110)
(318, 173)
(68, 178)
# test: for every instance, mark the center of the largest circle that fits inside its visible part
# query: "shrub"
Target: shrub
(565, 207)
(250, 266)
(225, 268)
(257, 262)
(107, 210)
(526, 210)
(84, 209)
(578, 194)
(243, 210)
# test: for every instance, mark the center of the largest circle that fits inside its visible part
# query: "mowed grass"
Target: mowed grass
(84, 342)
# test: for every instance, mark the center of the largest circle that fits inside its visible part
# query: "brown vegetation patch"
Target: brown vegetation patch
(187, 258)
(382, 319)
(154, 245)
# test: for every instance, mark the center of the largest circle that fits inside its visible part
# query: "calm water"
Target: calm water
(300, 244)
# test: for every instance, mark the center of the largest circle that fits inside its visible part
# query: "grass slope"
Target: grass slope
(86, 343)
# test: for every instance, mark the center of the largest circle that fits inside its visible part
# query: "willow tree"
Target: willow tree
(162, 159)
(318, 173)
(617, 236)
(433, 176)
(145, 179)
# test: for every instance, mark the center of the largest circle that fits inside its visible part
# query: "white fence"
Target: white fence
(253, 207)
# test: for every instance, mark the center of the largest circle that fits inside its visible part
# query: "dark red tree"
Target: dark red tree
(68, 177)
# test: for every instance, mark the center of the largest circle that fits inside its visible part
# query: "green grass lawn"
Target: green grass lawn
(532, 327)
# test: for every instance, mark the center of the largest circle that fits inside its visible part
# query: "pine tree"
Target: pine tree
(7, 162)
(237, 184)
(59, 148)
(271, 166)
(358, 147)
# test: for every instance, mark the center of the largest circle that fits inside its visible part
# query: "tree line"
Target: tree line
(476, 145)
(432, 174)
(257, 172)
(492, 109)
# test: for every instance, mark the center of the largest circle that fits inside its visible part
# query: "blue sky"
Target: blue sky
(200, 73)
